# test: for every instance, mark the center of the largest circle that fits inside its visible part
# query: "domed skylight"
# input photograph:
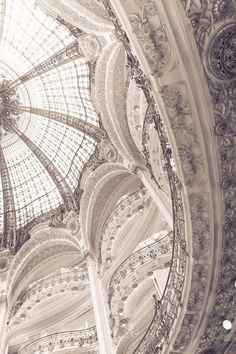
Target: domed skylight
(44, 96)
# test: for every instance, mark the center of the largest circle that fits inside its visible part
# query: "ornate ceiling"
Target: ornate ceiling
(145, 262)
(41, 154)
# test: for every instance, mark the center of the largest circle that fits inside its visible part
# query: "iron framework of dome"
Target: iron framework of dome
(45, 116)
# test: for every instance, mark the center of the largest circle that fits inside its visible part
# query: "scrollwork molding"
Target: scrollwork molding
(185, 132)
(151, 35)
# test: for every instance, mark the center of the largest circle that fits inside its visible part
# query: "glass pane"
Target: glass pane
(29, 37)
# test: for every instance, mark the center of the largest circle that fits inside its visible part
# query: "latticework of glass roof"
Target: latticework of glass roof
(41, 157)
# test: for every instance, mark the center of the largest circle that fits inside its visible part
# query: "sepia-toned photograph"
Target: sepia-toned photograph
(118, 176)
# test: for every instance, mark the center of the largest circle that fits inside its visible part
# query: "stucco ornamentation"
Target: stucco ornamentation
(39, 259)
(214, 31)
(5, 259)
(221, 53)
(90, 46)
(179, 112)
(152, 38)
(107, 151)
(205, 14)
(69, 340)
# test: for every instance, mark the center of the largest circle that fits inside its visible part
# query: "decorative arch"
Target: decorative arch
(111, 79)
(44, 250)
(102, 190)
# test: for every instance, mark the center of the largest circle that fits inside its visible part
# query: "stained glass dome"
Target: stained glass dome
(44, 100)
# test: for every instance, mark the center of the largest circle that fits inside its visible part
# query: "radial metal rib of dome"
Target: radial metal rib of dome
(47, 120)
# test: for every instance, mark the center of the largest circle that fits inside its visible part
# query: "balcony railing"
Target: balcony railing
(85, 338)
(127, 206)
(166, 309)
(144, 255)
(58, 283)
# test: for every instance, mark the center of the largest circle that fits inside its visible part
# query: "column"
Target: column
(3, 320)
(99, 308)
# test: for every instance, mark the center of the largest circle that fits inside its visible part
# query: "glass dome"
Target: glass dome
(44, 83)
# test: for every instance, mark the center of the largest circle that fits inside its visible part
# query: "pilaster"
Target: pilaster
(99, 307)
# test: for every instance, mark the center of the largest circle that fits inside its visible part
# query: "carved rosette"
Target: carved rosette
(107, 151)
(221, 54)
(5, 258)
(72, 223)
(89, 46)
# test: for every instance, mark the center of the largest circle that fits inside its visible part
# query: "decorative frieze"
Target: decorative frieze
(24, 261)
(151, 35)
(39, 260)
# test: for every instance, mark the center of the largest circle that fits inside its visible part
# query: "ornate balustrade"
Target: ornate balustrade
(85, 338)
(64, 281)
(156, 255)
(166, 309)
(137, 259)
(124, 210)
(160, 175)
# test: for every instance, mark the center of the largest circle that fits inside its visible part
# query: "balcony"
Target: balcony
(65, 281)
(131, 274)
(83, 340)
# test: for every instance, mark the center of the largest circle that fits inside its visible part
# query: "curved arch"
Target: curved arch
(45, 246)
(110, 87)
(102, 189)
